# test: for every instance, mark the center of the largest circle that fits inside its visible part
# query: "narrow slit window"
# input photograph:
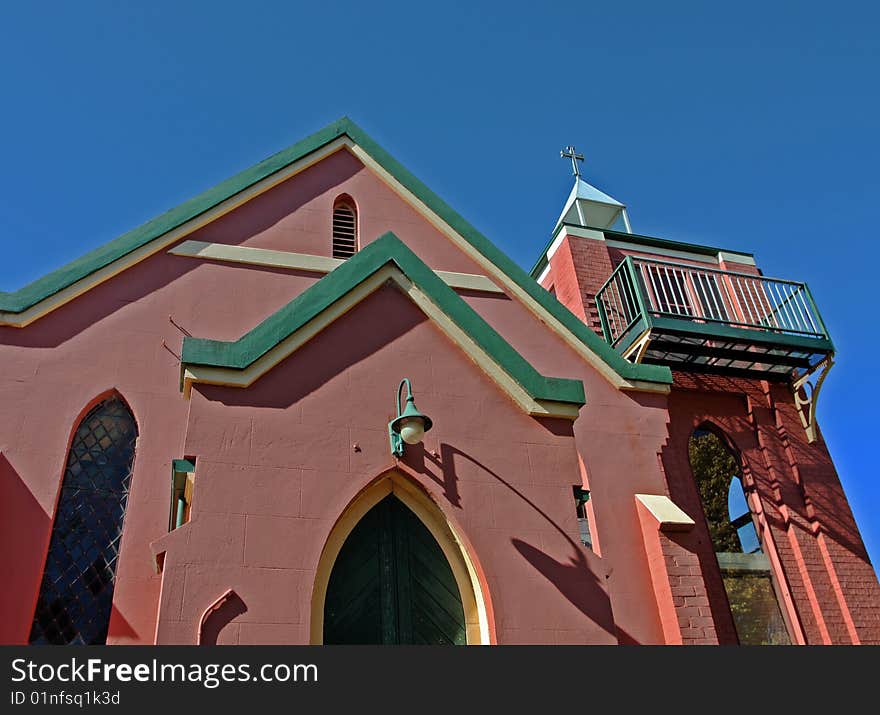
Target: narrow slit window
(345, 238)
(182, 485)
(581, 497)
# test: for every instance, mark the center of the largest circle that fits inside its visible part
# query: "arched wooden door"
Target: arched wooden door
(392, 584)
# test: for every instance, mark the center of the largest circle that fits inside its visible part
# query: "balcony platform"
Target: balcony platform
(704, 320)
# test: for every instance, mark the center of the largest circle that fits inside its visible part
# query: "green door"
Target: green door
(392, 584)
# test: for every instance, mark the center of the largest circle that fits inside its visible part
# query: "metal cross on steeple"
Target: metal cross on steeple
(569, 153)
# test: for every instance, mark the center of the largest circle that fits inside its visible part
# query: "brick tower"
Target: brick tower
(774, 554)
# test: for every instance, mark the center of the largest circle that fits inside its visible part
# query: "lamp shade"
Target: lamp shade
(411, 425)
(412, 430)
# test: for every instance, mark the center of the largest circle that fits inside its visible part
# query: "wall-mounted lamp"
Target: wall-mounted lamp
(410, 425)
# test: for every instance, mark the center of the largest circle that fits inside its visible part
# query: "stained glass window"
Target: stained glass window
(76, 593)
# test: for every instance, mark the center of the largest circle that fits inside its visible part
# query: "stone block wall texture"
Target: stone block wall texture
(276, 466)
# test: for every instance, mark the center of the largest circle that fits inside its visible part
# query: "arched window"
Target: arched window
(740, 516)
(345, 238)
(744, 567)
(76, 594)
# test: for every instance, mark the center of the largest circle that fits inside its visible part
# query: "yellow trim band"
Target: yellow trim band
(247, 255)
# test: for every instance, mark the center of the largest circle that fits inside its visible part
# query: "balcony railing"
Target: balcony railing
(722, 311)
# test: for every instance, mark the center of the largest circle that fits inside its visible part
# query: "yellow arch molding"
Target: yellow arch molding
(473, 592)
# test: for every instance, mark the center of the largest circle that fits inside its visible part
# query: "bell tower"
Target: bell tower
(748, 355)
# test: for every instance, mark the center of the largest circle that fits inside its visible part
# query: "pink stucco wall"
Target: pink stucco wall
(297, 216)
(504, 477)
(618, 437)
(278, 465)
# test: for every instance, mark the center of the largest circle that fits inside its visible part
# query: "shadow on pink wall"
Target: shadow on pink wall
(574, 579)
(218, 617)
(350, 341)
(24, 535)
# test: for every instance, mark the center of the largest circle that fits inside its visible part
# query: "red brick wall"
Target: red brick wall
(690, 597)
(829, 591)
(577, 270)
(677, 579)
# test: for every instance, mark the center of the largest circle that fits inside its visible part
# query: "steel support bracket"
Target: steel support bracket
(806, 393)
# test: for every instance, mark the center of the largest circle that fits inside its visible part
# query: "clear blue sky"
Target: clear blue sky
(750, 125)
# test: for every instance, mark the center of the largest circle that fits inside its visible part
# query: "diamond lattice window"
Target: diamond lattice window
(77, 590)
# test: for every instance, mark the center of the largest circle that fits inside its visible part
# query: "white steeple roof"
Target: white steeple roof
(587, 206)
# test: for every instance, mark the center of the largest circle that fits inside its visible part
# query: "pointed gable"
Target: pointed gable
(21, 307)
(239, 363)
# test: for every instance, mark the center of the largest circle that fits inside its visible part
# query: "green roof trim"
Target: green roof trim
(638, 239)
(45, 287)
(20, 300)
(624, 368)
(241, 353)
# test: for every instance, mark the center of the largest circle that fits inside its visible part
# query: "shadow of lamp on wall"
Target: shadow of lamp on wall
(410, 425)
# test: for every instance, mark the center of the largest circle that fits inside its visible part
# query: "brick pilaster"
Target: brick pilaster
(676, 573)
(578, 268)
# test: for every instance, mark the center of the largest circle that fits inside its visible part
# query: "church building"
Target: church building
(313, 404)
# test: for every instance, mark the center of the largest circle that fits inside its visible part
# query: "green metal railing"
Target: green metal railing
(643, 288)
